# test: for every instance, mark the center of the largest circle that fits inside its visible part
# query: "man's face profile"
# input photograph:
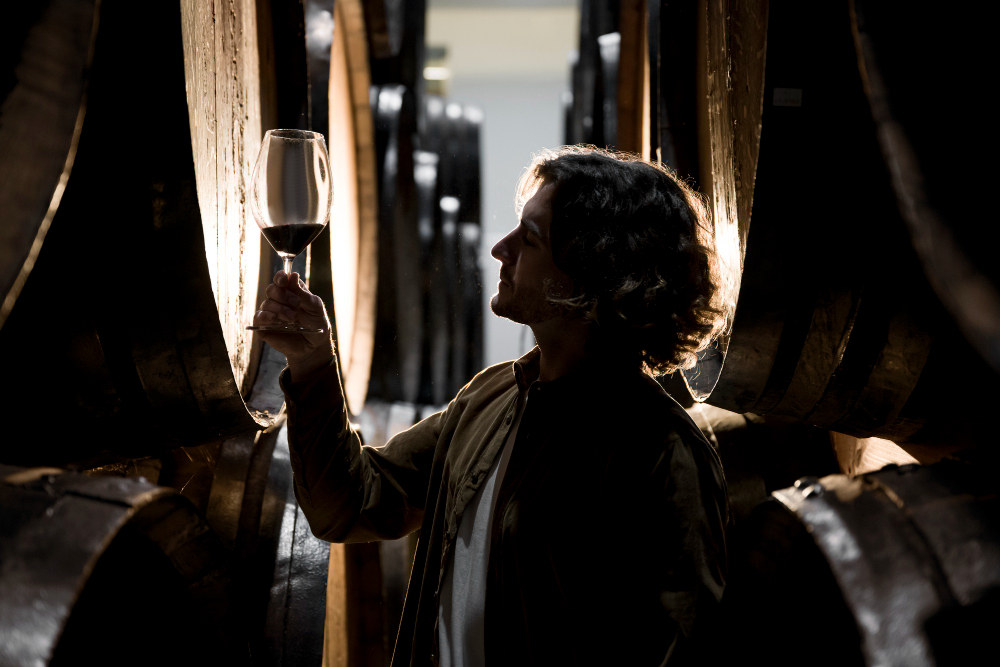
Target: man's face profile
(527, 271)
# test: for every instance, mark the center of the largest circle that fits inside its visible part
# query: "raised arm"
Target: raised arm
(348, 492)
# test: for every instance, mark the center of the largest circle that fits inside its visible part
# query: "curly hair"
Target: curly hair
(637, 243)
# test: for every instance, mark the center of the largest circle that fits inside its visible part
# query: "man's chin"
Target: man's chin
(499, 309)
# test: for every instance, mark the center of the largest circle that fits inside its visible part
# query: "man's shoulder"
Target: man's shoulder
(650, 406)
(489, 384)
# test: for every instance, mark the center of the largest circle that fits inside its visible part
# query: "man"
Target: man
(570, 511)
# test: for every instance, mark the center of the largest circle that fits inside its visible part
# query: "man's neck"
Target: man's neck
(563, 346)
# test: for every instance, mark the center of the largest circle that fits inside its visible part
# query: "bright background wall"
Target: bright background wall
(510, 59)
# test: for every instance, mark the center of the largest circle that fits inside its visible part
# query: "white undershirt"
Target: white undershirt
(461, 614)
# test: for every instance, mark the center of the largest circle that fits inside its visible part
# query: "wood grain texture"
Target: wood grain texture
(354, 633)
(354, 218)
(747, 51)
(730, 88)
(859, 456)
(733, 48)
(42, 114)
(335, 633)
(633, 75)
(222, 67)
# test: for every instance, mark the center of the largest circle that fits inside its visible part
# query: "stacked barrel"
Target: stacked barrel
(129, 269)
(428, 338)
(864, 304)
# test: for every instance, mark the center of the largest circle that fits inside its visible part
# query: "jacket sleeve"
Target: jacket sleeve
(350, 492)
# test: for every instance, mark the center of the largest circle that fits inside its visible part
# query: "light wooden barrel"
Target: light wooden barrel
(353, 240)
(706, 64)
(223, 77)
(154, 219)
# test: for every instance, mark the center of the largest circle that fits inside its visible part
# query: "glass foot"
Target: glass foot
(285, 328)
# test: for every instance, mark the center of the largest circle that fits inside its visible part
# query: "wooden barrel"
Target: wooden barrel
(399, 329)
(928, 165)
(343, 266)
(405, 67)
(467, 352)
(278, 567)
(93, 562)
(597, 17)
(384, 21)
(452, 133)
(611, 82)
(154, 216)
(898, 567)
(434, 379)
(706, 63)
(835, 324)
(45, 72)
(610, 51)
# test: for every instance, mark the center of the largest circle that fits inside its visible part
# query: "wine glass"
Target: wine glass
(291, 197)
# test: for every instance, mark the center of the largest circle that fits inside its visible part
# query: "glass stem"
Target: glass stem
(288, 265)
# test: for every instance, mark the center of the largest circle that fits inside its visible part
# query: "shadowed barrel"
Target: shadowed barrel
(139, 299)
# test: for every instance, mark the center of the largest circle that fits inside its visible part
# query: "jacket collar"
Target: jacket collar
(526, 370)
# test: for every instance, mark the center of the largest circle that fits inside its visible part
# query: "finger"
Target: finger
(272, 306)
(308, 302)
(296, 285)
(282, 295)
(264, 317)
(280, 278)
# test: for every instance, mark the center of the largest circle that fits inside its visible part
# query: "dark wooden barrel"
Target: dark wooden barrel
(111, 571)
(384, 21)
(898, 567)
(454, 355)
(399, 329)
(47, 54)
(835, 324)
(277, 570)
(154, 213)
(434, 379)
(278, 567)
(937, 152)
(406, 66)
(609, 96)
(587, 123)
(610, 51)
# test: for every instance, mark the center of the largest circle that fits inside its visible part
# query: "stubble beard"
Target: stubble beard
(526, 309)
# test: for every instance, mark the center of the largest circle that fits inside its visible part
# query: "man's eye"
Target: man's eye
(528, 242)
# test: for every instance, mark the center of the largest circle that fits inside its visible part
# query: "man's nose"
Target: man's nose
(501, 250)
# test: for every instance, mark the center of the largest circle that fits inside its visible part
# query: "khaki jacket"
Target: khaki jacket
(608, 531)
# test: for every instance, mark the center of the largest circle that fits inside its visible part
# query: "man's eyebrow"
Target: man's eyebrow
(533, 228)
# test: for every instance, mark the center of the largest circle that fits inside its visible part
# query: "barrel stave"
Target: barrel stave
(48, 48)
(74, 538)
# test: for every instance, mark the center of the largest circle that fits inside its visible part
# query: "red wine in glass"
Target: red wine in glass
(291, 239)
(291, 198)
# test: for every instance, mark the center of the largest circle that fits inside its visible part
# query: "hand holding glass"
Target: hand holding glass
(291, 197)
